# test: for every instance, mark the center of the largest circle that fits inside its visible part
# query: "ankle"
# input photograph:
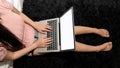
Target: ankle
(95, 30)
(98, 48)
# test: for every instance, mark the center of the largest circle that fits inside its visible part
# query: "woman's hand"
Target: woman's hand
(42, 28)
(43, 42)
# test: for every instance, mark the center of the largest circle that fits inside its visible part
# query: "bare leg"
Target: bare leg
(80, 47)
(85, 30)
(38, 53)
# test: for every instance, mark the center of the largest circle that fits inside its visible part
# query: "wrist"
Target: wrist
(35, 45)
(35, 25)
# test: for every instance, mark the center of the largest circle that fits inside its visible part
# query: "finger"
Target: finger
(47, 23)
(46, 30)
(45, 38)
(49, 27)
(49, 38)
(48, 43)
(43, 32)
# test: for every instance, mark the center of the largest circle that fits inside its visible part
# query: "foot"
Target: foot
(103, 32)
(105, 47)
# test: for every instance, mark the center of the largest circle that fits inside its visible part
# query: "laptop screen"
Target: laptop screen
(67, 30)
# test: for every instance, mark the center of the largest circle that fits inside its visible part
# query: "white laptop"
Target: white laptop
(62, 33)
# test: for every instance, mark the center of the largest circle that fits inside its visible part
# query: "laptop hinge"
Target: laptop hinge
(59, 34)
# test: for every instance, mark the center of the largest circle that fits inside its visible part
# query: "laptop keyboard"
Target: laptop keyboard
(53, 34)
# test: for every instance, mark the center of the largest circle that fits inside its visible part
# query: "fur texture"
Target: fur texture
(93, 13)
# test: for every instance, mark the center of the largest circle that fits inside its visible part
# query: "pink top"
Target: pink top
(16, 25)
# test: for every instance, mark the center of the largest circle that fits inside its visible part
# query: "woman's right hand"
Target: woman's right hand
(42, 28)
(43, 42)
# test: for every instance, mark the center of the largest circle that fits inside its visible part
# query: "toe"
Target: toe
(109, 47)
(106, 32)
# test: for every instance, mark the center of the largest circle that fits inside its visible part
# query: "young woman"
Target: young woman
(12, 41)
(17, 35)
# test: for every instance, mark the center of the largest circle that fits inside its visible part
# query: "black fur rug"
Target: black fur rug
(93, 13)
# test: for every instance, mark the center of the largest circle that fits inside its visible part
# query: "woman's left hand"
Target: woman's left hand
(42, 28)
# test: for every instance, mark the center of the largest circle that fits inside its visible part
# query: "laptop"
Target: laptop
(62, 33)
